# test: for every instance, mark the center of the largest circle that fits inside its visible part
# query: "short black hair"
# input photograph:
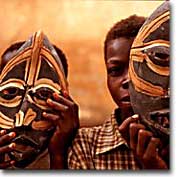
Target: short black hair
(17, 45)
(127, 28)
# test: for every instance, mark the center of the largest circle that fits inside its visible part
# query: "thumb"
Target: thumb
(125, 124)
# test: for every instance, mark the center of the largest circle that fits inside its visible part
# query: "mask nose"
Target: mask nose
(25, 115)
(24, 119)
(19, 117)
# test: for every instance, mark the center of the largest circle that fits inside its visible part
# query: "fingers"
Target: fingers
(63, 100)
(5, 138)
(151, 158)
(66, 94)
(7, 148)
(152, 148)
(4, 148)
(7, 164)
(134, 128)
(145, 147)
(2, 132)
(56, 105)
(125, 124)
(62, 105)
(143, 139)
(52, 117)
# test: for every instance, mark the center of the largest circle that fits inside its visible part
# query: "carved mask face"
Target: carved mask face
(26, 81)
(149, 72)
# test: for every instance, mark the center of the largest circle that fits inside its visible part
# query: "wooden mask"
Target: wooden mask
(31, 76)
(150, 73)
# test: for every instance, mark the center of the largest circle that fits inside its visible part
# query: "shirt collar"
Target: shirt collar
(109, 136)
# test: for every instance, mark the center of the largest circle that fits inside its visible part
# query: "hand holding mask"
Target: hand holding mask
(149, 71)
(27, 80)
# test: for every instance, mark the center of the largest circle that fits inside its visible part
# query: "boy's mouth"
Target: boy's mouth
(125, 99)
(125, 102)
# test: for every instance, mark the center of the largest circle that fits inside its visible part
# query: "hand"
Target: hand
(5, 147)
(146, 147)
(124, 127)
(66, 120)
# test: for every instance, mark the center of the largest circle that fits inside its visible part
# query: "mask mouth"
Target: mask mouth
(25, 151)
(26, 141)
(161, 117)
(158, 122)
(23, 159)
(29, 145)
(21, 155)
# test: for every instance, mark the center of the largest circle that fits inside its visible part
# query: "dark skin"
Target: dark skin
(5, 147)
(141, 141)
(66, 122)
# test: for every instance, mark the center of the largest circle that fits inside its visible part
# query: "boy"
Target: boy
(121, 143)
(110, 146)
(103, 147)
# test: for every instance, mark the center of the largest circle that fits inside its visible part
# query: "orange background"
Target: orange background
(78, 28)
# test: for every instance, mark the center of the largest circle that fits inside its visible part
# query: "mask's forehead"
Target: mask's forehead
(155, 28)
(35, 60)
(157, 23)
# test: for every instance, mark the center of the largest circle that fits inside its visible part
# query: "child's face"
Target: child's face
(117, 62)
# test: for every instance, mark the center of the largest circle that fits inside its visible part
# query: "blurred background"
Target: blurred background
(79, 28)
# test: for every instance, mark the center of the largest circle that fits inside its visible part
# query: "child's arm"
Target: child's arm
(66, 121)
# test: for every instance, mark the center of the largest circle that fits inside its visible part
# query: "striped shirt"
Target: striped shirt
(101, 148)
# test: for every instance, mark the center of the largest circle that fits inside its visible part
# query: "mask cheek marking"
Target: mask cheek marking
(6, 122)
(10, 103)
(19, 119)
(29, 117)
(41, 125)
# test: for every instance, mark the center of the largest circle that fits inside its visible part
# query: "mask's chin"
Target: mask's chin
(26, 151)
(24, 158)
(158, 122)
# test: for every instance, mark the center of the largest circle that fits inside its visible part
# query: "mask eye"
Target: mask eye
(161, 59)
(162, 56)
(159, 55)
(43, 93)
(10, 93)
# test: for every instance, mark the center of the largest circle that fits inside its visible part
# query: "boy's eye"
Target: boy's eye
(115, 71)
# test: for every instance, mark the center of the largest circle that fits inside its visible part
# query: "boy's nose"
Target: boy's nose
(125, 83)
